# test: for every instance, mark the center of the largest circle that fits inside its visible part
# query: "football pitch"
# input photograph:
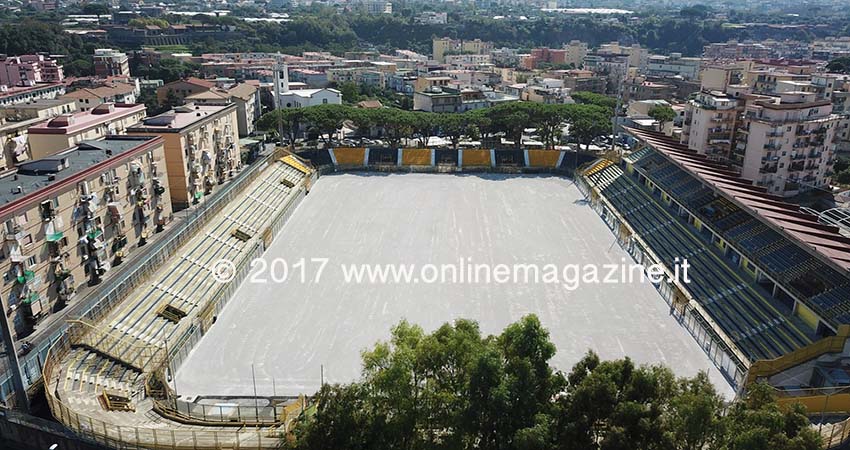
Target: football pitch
(303, 312)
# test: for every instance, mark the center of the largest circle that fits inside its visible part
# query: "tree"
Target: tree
(454, 126)
(457, 389)
(79, 67)
(326, 120)
(364, 120)
(591, 98)
(167, 70)
(425, 125)
(587, 122)
(693, 418)
(286, 121)
(350, 92)
(397, 124)
(512, 119)
(758, 422)
(839, 65)
(96, 8)
(550, 120)
(662, 114)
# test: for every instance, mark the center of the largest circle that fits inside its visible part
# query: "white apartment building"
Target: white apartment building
(709, 125)
(785, 143)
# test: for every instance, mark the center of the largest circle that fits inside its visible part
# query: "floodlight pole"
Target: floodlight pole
(256, 400)
(617, 108)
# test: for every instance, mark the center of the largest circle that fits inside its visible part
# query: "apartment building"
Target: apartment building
(312, 78)
(69, 217)
(67, 130)
(110, 63)
(201, 148)
(15, 122)
(27, 70)
(449, 100)
(673, 65)
(709, 124)
(613, 66)
(547, 90)
(443, 46)
(765, 81)
(22, 94)
(736, 50)
(181, 89)
(785, 143)
(243, 95)
(641, 88)
(574, 53)
(468, 60)
(113, 92)
(580, 80)
(717, 76)
(637, 55)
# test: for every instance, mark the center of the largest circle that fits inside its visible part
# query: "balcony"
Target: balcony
(16, 235)
(796, 167)
(772, 146)
(137, 176)
(47, 211)
(768, 169)
(53, 230)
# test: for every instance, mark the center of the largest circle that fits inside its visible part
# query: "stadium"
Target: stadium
(188, 361)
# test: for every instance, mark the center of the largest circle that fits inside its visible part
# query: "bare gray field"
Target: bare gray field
(289, 330)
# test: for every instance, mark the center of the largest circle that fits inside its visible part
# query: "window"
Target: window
(28, 240)
(31, 261)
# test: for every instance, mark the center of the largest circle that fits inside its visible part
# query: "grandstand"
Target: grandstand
(768, 278)
(102, 375)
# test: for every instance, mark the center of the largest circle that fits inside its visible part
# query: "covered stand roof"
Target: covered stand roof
(805, 228)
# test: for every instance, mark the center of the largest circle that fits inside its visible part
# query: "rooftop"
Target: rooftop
(105, 91)
(179, 118)
(78, 121)
(35, 176)
(41, 103)
(799, 226)
(17, 90)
